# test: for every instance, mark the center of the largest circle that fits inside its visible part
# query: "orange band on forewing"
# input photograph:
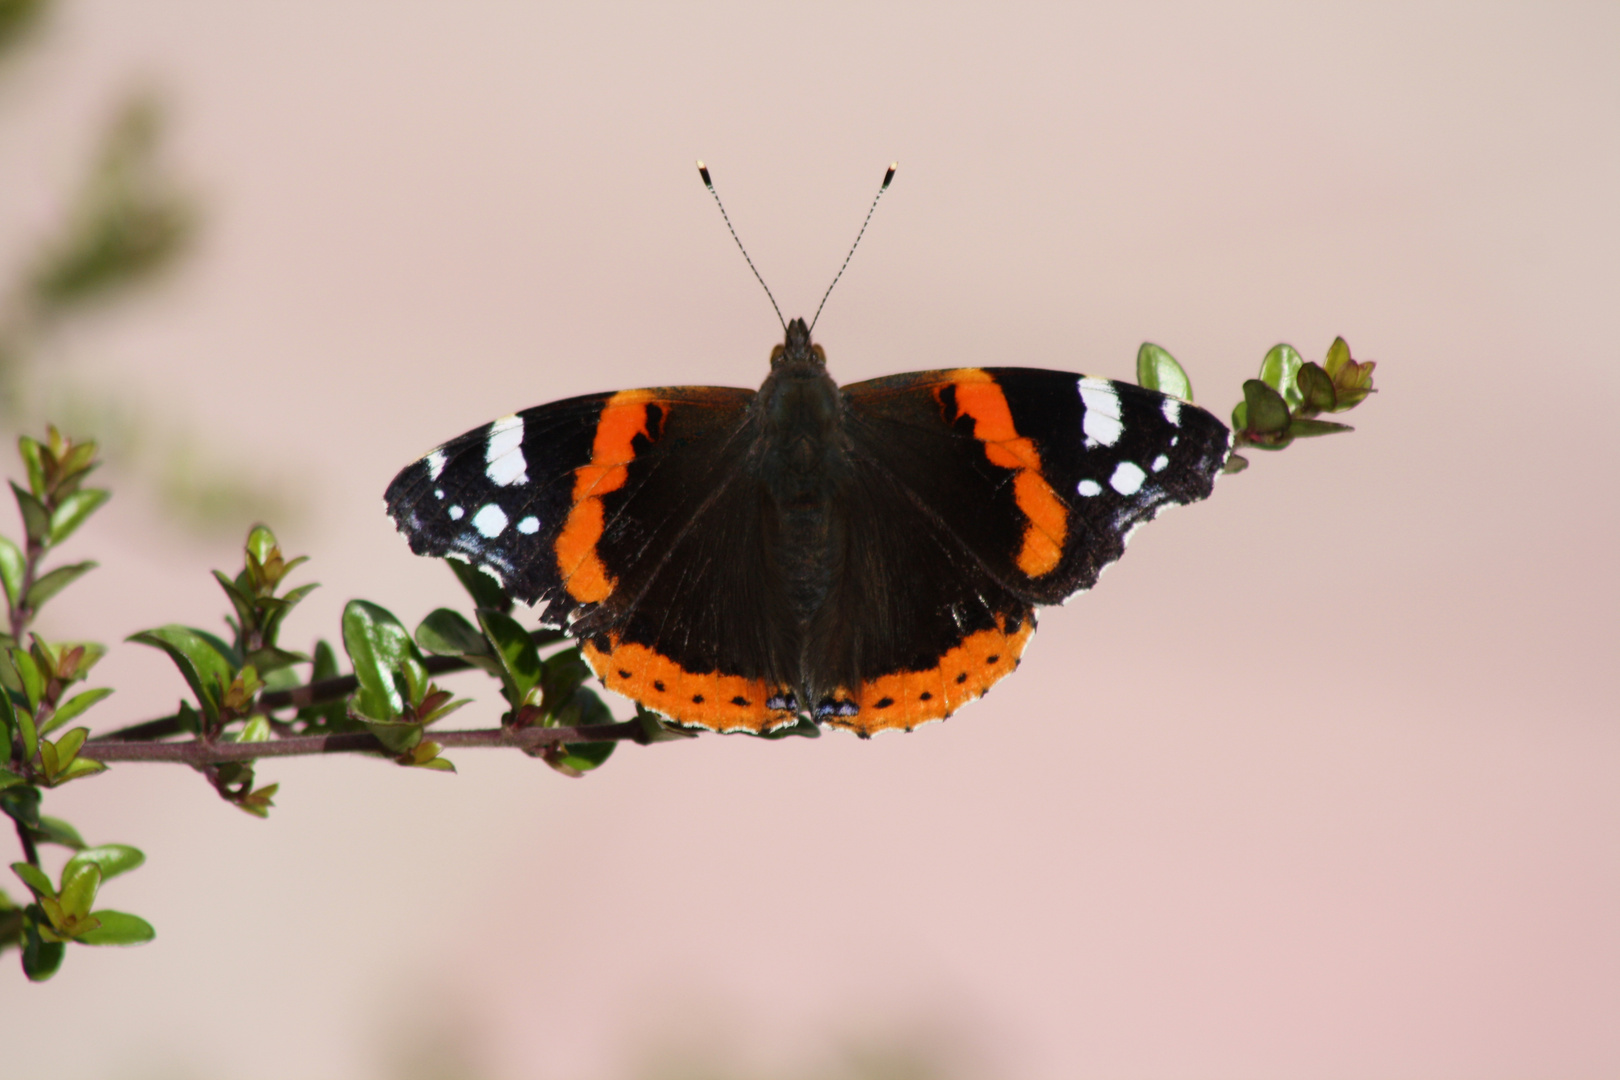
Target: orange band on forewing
(908, 698)
(717, 702)
(623, 417)
(978, 396)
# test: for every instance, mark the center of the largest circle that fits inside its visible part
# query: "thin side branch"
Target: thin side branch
(199, 752)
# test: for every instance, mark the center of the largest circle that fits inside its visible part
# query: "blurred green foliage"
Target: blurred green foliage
(129, 224)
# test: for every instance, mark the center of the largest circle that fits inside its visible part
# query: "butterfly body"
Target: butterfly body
(870, 556)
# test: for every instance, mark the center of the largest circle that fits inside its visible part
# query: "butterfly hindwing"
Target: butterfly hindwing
(916, 626)
(1043, 475)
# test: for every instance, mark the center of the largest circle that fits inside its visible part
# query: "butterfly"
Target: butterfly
(868, 556)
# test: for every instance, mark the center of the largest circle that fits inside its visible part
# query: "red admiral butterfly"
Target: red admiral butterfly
(869, 555)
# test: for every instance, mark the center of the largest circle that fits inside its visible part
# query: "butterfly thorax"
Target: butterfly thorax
(799, 453)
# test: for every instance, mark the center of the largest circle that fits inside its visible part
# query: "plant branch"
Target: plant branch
(200, 752)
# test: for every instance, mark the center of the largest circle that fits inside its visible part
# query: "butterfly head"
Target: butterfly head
(796, 355)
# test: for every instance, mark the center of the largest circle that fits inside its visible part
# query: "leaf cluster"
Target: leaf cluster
(35, 675)
(1283, 403)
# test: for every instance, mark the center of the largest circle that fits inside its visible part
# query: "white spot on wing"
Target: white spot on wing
(435, 464)
(503, 455)
(1102, 411)
(1127, 478)
(456, 513)
(529, 525)
(438, 493)
(1172, 411)
(1160, 462)
(491, 520)
(1088, 488)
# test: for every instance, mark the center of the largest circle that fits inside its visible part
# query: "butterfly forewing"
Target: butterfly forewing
(538, 497)
(1042, 474)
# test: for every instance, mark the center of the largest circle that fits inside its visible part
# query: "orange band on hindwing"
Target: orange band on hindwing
(711, 700)
(623, 417)
(978, 396)
(908, 698)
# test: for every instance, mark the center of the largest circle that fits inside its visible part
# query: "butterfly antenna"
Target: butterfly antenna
(888, 176)
(703, 171)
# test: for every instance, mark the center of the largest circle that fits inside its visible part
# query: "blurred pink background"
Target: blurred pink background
(1324, 778)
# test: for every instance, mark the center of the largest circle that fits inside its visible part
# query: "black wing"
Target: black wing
(1043, 475)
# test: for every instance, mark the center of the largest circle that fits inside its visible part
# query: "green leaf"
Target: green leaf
(1280, 371)
(57, 580)
(261, 544)
(324, 665)
(9, 779)
(81, 459)
(69, 745)
(583, 709)
(1157, 370)
(72, 511)
(118, 928)
(448, 633)
(1316, 389)
(258, 802)
(284, 604)
(520, 660)
(21, 804)
(80, 881)
(221, 646)
(33, 680)
(90, 656)
(257, 730)
(77, 769)
(485, 591)
(111, 859)
(8, 720)
(1267, 411)
(29, 449)
(379, 647)
(56, 831)
(35, 879)
(36, 522)
(270, 659)
(13, 564)
(73, 707)
(240, 599)
(1338, 355)
(40, 958)
(577, 759)
(205, 668)
(1305, 428)
(397, 736)
(565, 671)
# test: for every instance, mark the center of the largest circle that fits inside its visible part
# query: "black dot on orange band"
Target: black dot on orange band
(623, 674)
(884, 703)
(992, 659)
(739, 700)
(658, 686)
(925, 696)
(962, 678)
(697, 699)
